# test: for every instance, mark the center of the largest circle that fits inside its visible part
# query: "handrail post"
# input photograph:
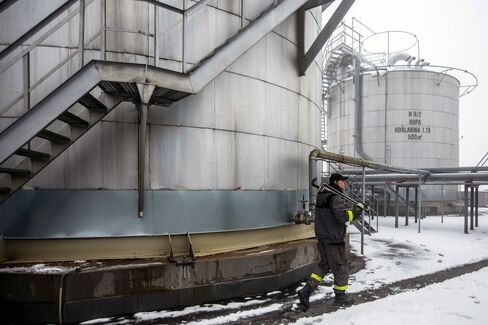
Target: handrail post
(26, 81)
(81, 38)
(183, 63)
(242, 13)
(156, 36)
(103, 30)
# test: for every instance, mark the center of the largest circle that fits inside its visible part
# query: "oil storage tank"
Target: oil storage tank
(392, 108)
(223, 169)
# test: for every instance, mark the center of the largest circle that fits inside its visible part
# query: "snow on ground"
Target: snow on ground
(461, 300)
(391, 255)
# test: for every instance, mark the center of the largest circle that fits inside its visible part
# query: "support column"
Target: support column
(397, 206)
(420, 201)
(141, 156)
(416, 203)
(471, 209)
(373, 201)
(362, 213)
(145, 93)
(465, 209)
(407, 199)
(476, 207)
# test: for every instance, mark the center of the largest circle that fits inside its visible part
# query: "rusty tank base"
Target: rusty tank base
(68, 292)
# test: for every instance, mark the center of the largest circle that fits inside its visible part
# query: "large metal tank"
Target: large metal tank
(233, 157)
(410, 118)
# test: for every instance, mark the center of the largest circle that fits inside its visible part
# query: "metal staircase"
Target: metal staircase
(67, 113)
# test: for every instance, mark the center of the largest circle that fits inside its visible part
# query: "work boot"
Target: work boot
(305, 292)
(342, 299)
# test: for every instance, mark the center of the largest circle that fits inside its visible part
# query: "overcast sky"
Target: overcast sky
(451, 33)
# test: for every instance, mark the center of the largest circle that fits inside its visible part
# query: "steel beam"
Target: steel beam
(315, 3)
(242, 42)
(324, 35)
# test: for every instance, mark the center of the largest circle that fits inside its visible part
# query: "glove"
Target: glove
(358, 209)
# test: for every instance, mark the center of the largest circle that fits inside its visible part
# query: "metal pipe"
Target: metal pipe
(476, 207)
(473, 169)
(26, 81)
(397, 206)
(327, 155)
(358, 108)
(442, 203)
(465, 209)
(420, 200)
(427, 178)
(242, 13)
(411, 183)
(142, 109)
(81, 39)
(156, 37)
(471, 212)
(416, 204)
(362, 214)
(183, 36)
(407, 199)
(103, 30)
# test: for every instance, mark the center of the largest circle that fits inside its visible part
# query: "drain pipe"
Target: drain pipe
(358, 107)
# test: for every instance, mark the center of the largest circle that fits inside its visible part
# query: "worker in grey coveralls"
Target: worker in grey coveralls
(331, 217)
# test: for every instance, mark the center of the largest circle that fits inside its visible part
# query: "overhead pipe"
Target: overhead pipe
(317, 154)
(443, 177)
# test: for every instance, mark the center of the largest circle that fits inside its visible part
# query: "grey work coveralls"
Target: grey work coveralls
(331, 216)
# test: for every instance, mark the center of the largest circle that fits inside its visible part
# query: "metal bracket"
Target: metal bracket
(185, 259)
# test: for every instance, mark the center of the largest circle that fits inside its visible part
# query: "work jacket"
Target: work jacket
(331, 216)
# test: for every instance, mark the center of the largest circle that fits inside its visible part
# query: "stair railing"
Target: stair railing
(21, 49)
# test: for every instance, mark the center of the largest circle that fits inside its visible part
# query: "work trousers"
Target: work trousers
(333, 258)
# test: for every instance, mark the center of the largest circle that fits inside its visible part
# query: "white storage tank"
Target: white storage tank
(410, 118)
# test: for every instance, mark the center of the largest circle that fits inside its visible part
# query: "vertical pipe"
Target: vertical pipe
(242, 13)
(465, 209)
(81, 38)
(183, 35)
(407, 201)
(141, 155)
(103, 30)
(420, 200)
(362, 213)
(156, 36)
(26, 79)
(476, 207)
(397, 206)
(312, 173)
(471, 206)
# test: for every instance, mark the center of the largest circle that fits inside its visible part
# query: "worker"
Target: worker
(331, 217)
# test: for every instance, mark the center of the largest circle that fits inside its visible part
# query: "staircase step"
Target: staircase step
(92, 103)
(73, 120)
(32, 154)
(15, 172)
(54, 137)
